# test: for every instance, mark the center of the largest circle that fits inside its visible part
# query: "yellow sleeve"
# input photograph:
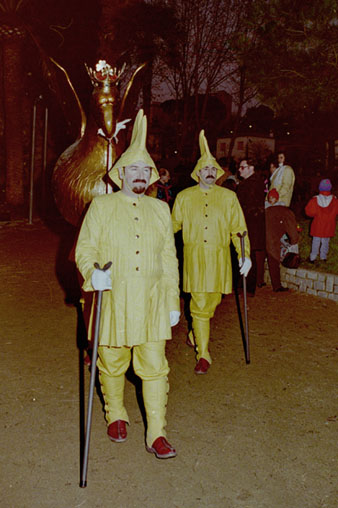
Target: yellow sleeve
(170, 268)
(238, 225)
(87, 246)
(177, 215)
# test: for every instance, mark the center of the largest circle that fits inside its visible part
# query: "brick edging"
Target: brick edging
(323, 285)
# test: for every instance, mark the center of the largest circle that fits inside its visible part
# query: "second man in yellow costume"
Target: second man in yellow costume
(210, 217)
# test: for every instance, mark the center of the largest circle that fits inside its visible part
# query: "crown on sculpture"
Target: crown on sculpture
(104, 74)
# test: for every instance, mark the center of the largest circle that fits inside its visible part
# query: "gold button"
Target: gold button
(134, 204)
(137, 236)
(206, 204)
(205, 241)
(206, 215)
(137, 269)
(206, 227)
(137, 252)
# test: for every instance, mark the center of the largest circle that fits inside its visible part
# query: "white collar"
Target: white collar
(324, 201)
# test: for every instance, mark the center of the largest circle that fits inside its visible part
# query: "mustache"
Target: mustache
(210, 176)
(139, 181)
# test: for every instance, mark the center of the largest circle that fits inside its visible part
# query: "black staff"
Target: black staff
(83, 482)
(247, 348)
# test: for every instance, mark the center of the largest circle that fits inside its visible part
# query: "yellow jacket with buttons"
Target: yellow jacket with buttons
(209, 220)
(136, 235)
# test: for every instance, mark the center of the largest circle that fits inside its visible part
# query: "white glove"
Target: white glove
(101, 280)
(245, 267)
(174, 317)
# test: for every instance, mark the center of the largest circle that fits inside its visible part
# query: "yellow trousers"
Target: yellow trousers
(150, 364)
(202, 309)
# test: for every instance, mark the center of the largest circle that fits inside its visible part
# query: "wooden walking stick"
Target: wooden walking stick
(247, 346)
(83, 482)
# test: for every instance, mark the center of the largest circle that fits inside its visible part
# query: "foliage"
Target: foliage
(214, 124)
(261, 119)
(203, 47)
(295, 61)
(289, 55)
(142, 31)
(203, 63)
(139, 32)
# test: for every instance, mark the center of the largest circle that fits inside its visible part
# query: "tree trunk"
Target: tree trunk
(147, 87)
(13, 90)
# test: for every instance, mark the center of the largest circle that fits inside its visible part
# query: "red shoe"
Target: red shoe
(162, 449)
(88, 359)
(202, 366)
(117, 431)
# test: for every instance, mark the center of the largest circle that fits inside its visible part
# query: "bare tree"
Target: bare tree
(204, 63)
(244, 45)
(136, 32)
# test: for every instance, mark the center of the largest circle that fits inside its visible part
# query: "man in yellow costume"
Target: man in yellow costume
(210, 217)
(141, 297)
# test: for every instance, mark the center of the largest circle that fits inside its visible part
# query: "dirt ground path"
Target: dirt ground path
(263, 435)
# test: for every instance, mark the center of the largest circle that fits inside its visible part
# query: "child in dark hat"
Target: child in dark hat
(324, 210)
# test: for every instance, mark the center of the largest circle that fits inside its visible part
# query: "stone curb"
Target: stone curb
(323, 285)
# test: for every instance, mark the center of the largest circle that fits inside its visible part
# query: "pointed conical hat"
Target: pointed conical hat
(206, 159)
(136, 151)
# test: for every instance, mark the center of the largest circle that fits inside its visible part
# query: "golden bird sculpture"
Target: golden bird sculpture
(81, 171)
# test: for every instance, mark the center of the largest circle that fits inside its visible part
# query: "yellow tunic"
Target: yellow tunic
(136, 235)
(209, 219)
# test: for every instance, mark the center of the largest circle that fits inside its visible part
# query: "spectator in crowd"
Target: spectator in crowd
(209, 217)
(229, 180)
(231, 183)
(223, 162)
(279, 221)
(162, 189)
(324, 210)
(251, 195)
(165, 190)
(282, 179)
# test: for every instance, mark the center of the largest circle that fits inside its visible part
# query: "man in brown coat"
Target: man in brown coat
(279, 220)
